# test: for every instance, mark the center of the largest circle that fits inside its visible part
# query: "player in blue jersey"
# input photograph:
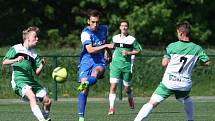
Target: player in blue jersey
(179, 60)
(92, 57)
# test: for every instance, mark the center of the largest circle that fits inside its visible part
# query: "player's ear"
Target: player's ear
(88, 21)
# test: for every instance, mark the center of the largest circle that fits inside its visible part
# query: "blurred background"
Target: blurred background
(151, 22)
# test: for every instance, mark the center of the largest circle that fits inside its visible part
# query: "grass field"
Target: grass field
(66, 110)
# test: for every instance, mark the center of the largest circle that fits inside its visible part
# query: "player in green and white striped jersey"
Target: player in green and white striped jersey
(126, 46)
(25, 62)
(179, 60)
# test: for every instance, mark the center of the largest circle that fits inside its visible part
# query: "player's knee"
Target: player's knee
(47, 100)
(188, 100)
(185, 100)
(127, 90)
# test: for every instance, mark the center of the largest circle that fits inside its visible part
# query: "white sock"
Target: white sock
(112, 98)
(188, 107)
(144, 112)
(37, 112)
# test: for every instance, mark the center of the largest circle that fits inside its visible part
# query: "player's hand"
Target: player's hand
(110, 46)
(43, 61)
(124, 52)
(19, 58)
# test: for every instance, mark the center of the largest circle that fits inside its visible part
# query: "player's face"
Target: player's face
(32, 39)
(124, 28)
(93, 22)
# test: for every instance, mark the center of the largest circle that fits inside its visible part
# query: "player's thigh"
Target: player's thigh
(161, 93)
(20, 87)
(115, 72)
(84, 70)
(39, 91)
(126, 77)
(98, 70)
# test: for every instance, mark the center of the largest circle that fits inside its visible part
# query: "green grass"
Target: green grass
(66, 110)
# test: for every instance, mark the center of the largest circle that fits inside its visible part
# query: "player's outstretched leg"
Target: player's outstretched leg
(144, 112)
(82, 100)
(91, 80)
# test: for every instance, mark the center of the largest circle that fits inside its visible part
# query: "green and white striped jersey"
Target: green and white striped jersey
(128, 43)
(23, 70)
(183, 56)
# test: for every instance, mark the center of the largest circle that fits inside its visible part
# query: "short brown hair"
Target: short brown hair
(184, 27)
(94, 13)
(28, 30)
(124, 21)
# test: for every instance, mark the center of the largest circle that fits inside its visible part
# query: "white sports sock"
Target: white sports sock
(37, 112)
(188, 107)
(112, 98)
(144, 112)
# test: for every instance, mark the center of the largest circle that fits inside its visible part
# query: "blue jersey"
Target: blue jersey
(96, 38)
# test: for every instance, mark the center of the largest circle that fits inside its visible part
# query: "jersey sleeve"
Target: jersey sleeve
(203, 56)
(168, 52)
(11, 53)
(85, 38)
(137, 46)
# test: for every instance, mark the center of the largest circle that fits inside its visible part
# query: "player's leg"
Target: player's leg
(82, 101)
(127, 87)
(41, 95)
(112, 95)
(160, 94)
(91, 76)
(184, 98)
(115, 76)
(27, 91)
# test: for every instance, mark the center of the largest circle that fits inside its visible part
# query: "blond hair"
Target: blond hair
(28, 30)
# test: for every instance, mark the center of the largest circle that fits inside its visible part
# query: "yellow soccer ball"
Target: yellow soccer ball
(59, 74)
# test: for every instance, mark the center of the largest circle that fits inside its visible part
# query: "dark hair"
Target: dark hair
(184, 27)
(94, 13)
(124, 21)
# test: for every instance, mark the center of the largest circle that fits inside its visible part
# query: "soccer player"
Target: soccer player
(126, 46)
(179, 61)
(25, 62)
(92, 60)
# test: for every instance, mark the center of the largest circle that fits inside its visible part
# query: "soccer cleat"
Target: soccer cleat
(83, 86)
(111, 111)
(131, 103)
(81, 119)
(46, 119)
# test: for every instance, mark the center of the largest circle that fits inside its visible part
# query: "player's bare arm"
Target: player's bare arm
(42, 64)
(12, 61)
(134, 52)
(165, 62)
(92, 49)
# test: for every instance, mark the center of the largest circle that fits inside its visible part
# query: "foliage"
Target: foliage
(151, 22)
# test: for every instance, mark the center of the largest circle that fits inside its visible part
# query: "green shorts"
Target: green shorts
(121, 71)
(19, 86)
(164, 92)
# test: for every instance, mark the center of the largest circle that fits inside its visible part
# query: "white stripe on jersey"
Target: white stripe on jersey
(85, 36)
(21, 49)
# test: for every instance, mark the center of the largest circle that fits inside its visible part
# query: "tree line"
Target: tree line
(61, 21)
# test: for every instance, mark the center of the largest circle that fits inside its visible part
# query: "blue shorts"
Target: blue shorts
(85, 70)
